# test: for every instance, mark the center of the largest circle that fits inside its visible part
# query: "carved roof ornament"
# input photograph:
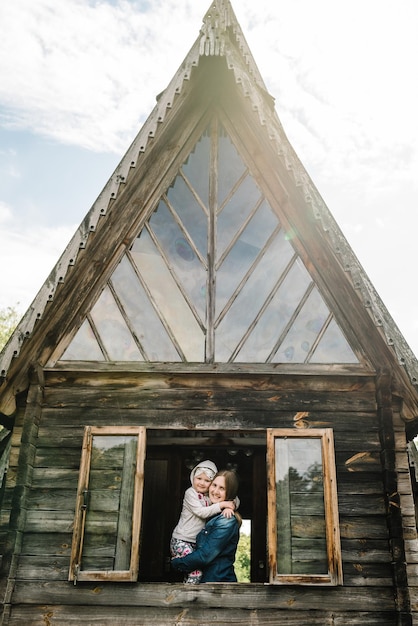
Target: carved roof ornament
(215, 23)
(220, 28)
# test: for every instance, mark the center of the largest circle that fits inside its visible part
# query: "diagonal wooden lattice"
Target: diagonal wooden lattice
(211, 277)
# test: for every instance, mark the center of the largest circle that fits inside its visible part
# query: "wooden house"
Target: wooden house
(208, 307)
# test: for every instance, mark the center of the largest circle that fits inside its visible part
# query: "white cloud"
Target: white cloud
(342, 76)
(85, 73)
(27, 256)
(5, 213)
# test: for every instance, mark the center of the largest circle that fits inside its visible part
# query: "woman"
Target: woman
(216, 544)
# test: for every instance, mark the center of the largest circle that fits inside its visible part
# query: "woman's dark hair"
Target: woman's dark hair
(231, 489)
(231, 483)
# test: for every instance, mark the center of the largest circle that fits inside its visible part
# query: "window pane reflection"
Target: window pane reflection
(230, 169)
(181, 257)
(109, 502)
(236, 211)
(250, 300)
(84, 346)
(301, 336)
(196, 168)
(333, 347)
(148, 327)
(243, 254)
(276, 316)
(168, 297)
(115, 335)
(301, 533)
(193, 218)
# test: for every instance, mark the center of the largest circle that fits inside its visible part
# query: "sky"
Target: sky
(78, 78)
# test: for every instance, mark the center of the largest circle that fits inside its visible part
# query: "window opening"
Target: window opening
(243, 554)
(170, 457)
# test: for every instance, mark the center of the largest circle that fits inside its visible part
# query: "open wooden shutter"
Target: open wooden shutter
(109, 504)
(303, 526)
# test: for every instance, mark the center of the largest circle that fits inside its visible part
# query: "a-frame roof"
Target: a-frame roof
(218, 68)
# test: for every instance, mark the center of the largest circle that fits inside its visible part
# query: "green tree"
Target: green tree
(243, 559)
(9, 318)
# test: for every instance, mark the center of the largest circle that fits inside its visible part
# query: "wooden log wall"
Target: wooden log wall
(38, 590)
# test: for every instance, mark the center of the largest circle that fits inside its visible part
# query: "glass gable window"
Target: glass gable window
(109, 503)
(304, 541)
(212, 277)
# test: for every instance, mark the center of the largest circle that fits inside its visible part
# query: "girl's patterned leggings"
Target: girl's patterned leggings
(178, 547)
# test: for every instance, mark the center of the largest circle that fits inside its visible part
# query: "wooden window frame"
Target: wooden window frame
(334, 576)
(129, 575)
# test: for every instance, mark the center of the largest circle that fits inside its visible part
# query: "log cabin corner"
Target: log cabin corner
(208, 306)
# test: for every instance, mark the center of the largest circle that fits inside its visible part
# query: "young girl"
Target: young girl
(196, 509)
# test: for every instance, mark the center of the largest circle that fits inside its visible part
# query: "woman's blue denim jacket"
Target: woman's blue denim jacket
(215, 551)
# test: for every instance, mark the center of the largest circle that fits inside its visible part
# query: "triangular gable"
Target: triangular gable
(101, 241)
(199, 252)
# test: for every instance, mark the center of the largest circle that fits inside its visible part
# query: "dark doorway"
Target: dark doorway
(170, 457)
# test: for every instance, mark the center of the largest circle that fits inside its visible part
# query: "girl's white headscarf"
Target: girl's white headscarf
(204, 467)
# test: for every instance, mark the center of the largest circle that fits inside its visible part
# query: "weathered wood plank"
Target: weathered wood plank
(413, 591)
(368, 574)
(344, 421)
(53, 498)
(412, 571)
(198, 399)
(409, 528)
(372, 527)
(407, 505)
(355, 441)
(365, 550)
(40, 615)
(47, 544)
(353, 485)
(55, 568)
(404, 482)
(51, 521)
(125, 375)
(355, 504)
(253, 596)
(63, 478)
(43, 568)
(411, 547)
